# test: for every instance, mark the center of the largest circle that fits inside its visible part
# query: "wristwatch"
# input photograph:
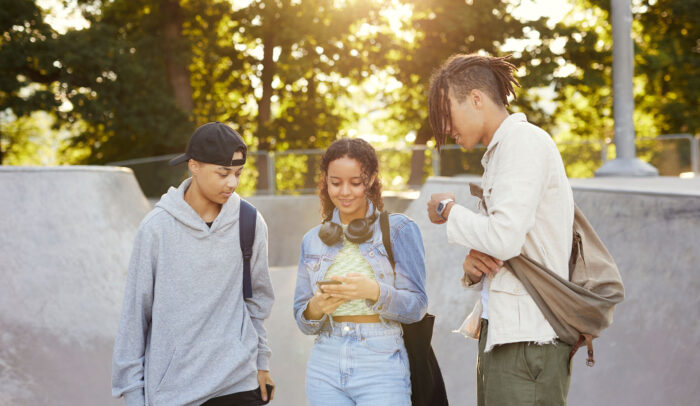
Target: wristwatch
(442, 206)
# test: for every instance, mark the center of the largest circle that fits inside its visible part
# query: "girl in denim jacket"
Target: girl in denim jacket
(359, 357)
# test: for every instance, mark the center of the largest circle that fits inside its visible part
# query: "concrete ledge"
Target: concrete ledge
(660, 185)
(59, 169)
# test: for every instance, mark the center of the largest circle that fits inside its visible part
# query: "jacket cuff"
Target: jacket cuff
(135, 397)
(311, 324)
(467, 283)
(263, 361)
(382, 303)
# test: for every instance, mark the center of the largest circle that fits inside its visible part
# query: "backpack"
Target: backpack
(248, 216)
(579, 308)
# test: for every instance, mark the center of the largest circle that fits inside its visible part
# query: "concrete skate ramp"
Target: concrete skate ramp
(649, 356)
(65, 238)
(66, 235)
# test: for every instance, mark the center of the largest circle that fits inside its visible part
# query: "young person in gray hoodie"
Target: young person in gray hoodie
(187, 336)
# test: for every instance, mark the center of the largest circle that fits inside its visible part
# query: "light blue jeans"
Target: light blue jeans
(359, 364)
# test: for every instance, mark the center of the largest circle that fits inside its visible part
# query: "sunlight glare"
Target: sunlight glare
(63, 15)
(398, 14)
(554, 10)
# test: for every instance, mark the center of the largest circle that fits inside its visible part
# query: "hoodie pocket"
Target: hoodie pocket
(207, 367)
(167, 369)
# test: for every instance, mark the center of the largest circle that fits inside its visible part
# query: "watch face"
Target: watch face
(440, 208)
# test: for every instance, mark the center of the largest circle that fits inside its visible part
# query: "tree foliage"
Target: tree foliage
(292, 74)
(442, 28)
(110, 78)
(666, 82)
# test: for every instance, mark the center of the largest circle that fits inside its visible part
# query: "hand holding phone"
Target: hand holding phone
(326, 282)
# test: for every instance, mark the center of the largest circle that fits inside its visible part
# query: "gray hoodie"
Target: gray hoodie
(186, 334)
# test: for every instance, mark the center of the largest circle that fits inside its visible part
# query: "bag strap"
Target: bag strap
(386, 238)
(588, 340)
(246, 225)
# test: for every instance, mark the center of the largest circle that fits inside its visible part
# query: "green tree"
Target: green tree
(666, 82)
(444, 27)
(23, 31)
(120, 78)
(669, 62)
(298, 58)
(146, 71)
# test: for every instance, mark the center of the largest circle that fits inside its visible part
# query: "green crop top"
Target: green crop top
(350, 260)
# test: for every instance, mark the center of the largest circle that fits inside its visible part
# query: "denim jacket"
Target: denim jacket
(403, 300)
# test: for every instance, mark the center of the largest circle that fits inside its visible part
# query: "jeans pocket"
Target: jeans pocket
(383, 344)
(534, 358)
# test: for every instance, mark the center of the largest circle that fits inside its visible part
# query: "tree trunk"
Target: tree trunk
(265, 113)
(418, 156)
(175, 54)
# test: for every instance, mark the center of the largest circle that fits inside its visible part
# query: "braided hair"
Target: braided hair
(463, 73)
(361, 151)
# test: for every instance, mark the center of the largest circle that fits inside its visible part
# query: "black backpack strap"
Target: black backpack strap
(248, 216)
(386, 237)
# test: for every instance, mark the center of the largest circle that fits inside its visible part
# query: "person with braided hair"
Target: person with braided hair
(527, 206)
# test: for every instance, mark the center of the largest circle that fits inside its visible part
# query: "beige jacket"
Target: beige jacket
(530, 209)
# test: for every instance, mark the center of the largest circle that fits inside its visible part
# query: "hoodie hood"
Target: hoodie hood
(173, 202)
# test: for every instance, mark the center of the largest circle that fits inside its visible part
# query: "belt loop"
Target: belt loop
(384, 322)
(331, 322)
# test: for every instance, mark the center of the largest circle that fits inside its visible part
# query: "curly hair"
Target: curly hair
(462, 73)
(361, 151)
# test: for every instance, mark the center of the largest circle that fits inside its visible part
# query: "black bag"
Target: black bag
(427, 385)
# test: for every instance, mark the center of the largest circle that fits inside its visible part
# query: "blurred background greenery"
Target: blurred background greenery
(105, 81)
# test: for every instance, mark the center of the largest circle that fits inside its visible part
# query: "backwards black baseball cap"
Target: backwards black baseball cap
(214, 143)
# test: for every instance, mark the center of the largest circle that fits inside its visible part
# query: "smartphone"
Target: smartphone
(325, 282)
(269, 388)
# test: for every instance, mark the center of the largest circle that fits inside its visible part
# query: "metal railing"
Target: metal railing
(694, 147)
(435, 158)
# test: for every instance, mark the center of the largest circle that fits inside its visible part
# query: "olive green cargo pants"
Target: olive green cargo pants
(522, 373)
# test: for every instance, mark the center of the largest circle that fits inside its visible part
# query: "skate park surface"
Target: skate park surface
(66, 236)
